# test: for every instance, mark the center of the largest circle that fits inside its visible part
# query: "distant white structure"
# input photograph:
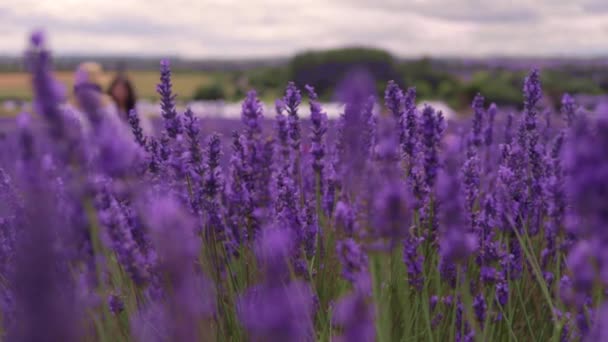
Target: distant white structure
(232, 110)
(448, 113)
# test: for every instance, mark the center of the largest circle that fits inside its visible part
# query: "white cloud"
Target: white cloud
(232, 28)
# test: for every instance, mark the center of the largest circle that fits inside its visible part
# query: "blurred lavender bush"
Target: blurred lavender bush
(388, 224)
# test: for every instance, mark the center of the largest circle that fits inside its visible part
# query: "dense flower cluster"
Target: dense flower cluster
(392, 226)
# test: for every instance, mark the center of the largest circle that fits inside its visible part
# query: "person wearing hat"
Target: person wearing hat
(90, 104)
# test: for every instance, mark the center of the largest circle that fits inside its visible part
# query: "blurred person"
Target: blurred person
(122, 92)
(91, 104)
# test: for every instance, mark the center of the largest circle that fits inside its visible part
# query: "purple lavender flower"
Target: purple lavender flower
(214, 181)
(471, 182)
(509, 129)
(332, 185)
(292, 100)
(42, 289)
(532, 91)
(476, 139)
(355, 315)
(115, 153)
(489, 128)
(371, 125)
(287, 207)
(352, 258)
(488, 275)
(502, 292)
(278, 313)
(173, 124)
(480, 307)
(599, 330)
(432, 131)
(277, 309)
(195, 153)
(116, 304)
(273, 249)
(414, 262)
(586, 162)
(128, 253)
(251, 114)
(172, 234)
(237, 192)
(580, 264)
(389, 213)
(345, 218)
(282, 134)
(409, 135)
(48, 92)
(457, 241)
(393, 100)
(311, 230)
(318, 119)
(138, 132)
(354, 135)
(568, 109)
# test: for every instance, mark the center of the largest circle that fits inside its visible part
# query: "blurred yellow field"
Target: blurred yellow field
(17, 84)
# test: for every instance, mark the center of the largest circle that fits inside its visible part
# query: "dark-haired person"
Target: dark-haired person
(122, 92)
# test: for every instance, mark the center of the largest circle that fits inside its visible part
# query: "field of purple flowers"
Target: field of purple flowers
(397, 228)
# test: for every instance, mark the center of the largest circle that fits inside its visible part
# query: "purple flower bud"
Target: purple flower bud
(355, 315)
(532, 89)
(475, 139)
(480, 307)
(116, 304)
(251, 113)
(352, 258)
(579, 262)
(138, 132)
(173, 123)
(568, 109)
(432, 130)
(393, 99)
(278, 313)
(319, 128)
(414, 262)
(489, 129)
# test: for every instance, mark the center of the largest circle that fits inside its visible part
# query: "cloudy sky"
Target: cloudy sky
(260, 28)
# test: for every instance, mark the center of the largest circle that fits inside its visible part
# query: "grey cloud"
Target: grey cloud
(465, 11)
(234, 28)
(595, 5)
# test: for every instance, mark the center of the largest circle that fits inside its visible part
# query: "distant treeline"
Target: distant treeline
(454, 81)
(113, 63)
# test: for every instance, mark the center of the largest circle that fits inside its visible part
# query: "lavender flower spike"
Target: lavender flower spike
(292, 100)
(393, 99)
(251, 113)
(476, 138)
(138, 132)
(432, 131)
(318, 119)
(568, 109)
(173, 124)
(532, 90)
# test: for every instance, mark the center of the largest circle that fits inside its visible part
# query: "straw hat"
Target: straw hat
(91, 74)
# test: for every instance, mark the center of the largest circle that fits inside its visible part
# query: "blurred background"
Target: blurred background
(448, 49)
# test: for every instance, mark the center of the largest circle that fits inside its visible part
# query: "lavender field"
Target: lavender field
(390, 223)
